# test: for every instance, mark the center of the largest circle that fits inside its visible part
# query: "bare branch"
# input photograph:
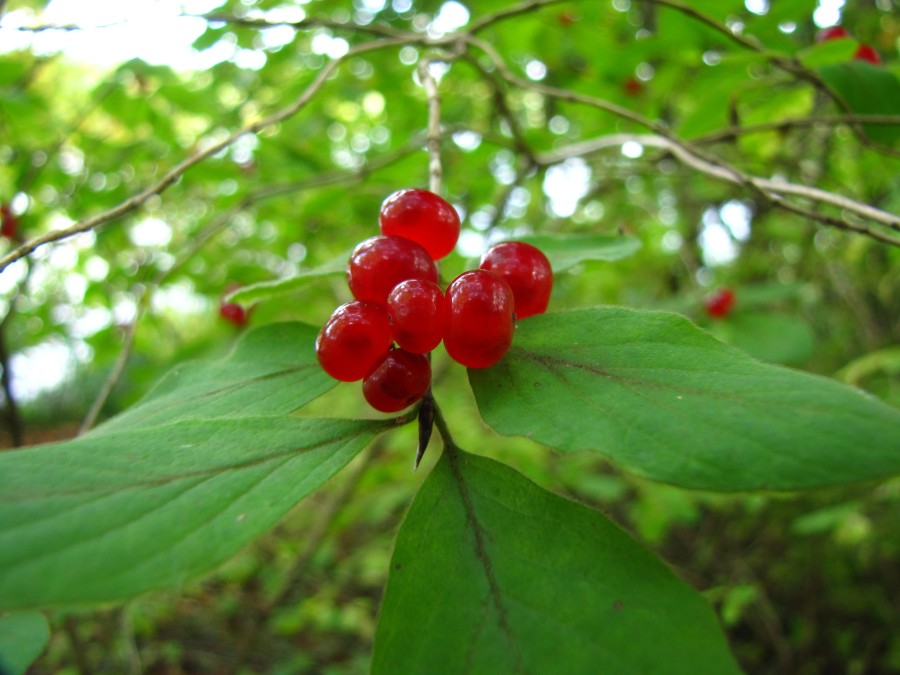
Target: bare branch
(772, 189)
(305, 24)
(793, 123)
(433, 137)
(180, 169)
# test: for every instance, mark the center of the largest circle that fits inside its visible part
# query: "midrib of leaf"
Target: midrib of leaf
(481, 553)
(200, 473)
(177, 399)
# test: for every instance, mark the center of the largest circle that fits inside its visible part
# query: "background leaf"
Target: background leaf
(23, 637)
(867, 89)
(175, 486)
(668, 401)
(566, 251)
(492, 574)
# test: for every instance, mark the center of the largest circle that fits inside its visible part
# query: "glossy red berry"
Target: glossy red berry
(423, 217)
(832, 33)
(353, 340)
(720, 303)
(418, 315)
(380, 263)
(480, 320)
(234, 313)
(867, 53)
(526, 270)
(398, 380)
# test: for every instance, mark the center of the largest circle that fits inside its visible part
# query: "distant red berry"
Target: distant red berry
(527, 271)
(633, 86)
(566, 18)
(418, 315)
(380, 263)
(480, 321)
(353, 340)
(9, 223)
(399, 379)
(832, 33)
(720, 303)
(422, 216)
(867, 53)
(234, 313)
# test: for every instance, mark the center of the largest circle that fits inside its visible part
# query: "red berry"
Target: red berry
(398, 380)
(422, 216)
(633, 86)
(418, 315)
(353, 340)
(526, 270)
(234, 313)
(380, 263)
(832, 33)
(566, 19)
(479, 319)
(867, 53)
(9, 223)
(719, 304)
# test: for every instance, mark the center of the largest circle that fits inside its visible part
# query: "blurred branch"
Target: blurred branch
(180, 169)
(433, 136)
(304, 24)
(517, 10)
(772, 189)
(503, 108)
(730, 133)
(688, 153)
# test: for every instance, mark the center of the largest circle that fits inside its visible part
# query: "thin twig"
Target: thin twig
(731, 133)
(512, 12)
(378, 30)
(180, 169)
(433, 135)
(773, 189)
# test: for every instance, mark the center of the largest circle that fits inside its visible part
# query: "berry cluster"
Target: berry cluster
(394, 280)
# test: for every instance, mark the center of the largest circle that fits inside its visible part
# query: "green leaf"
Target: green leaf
(178, 484)
(492, 574)
(272, 371)
(567, 251)
(668, 401)
(867, 89)
(828, 53)
(23, 637)
(270, 289)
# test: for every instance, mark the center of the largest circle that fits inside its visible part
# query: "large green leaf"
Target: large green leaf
(175, 486)
(23, 636)
(272, 370)
(492, 574)
(668, 401)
